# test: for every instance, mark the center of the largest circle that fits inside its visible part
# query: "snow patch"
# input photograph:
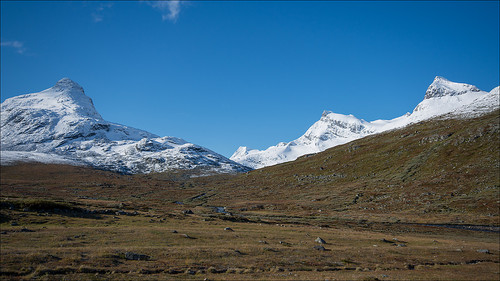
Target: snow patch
(12, 157)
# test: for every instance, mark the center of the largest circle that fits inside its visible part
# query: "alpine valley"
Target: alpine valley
(413, 198)
(443, 98)
(61, 125)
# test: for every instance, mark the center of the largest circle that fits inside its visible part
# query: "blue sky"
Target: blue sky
(224, 74)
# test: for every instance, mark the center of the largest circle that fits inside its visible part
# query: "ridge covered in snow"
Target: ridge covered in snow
(442, 98)
(61, 125)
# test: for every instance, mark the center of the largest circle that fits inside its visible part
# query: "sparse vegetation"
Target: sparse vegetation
(376, 202)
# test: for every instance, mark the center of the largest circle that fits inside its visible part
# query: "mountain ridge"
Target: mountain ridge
(442, 97)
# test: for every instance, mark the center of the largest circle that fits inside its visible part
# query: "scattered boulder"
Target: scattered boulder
(187, 212)
(14, 223)
(136, 257)
(174, 231)
(174, 271)
(276, 269)
(215, 270)
(24, 229)
(263, 242)
(319, 240)
(486, 251)
(319, 248)
(400, 241)
(187, 236)
(387, 241)
(228, 229)
(270, 250)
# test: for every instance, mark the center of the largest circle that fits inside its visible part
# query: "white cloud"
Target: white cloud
(97, 15)
(169, 9)
(18, 46)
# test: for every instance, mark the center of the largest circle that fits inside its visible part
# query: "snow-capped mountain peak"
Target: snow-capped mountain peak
(444, 96)
(325, 113)
(62, 123)
(64, 98)
(332, 129)
(71, 95)
(66, 84)
(240, 152)
(334, 125)
(443, 87)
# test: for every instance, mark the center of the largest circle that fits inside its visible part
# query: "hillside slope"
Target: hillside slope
(438, 168)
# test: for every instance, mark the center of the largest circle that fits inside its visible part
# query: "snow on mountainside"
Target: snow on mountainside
(61, 125)
(442, 98)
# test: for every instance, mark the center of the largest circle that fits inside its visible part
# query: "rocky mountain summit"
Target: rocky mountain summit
(441, 87)
(61, 125)
(443, 98)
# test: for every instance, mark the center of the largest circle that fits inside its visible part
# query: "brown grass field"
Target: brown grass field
(420, 203)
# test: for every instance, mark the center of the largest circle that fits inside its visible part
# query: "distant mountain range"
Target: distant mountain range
(61, 125)
(443, 98)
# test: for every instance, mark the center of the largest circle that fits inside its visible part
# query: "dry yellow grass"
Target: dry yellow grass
(73, 223)
(54, 245)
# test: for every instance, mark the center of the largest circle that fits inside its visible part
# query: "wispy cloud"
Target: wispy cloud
(16, 45)
(98, 14)
(169, 9)
(97, 17)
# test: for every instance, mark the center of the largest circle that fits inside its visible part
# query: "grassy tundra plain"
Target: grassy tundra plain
(421, 202)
